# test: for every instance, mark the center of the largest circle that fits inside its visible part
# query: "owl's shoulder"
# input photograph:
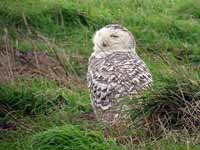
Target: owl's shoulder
(121, 73)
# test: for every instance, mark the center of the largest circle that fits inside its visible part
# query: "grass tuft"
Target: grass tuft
(71, 137)
(190, 10)
(30, 96)
(174, 106)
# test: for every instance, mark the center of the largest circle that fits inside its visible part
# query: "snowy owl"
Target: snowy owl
(115, 71)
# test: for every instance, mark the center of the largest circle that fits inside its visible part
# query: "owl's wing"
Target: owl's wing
(116, 76)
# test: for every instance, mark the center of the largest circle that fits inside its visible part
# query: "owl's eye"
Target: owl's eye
(114, 36)
(104, 44)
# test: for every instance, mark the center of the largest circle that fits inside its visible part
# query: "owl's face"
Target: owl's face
(113, 37)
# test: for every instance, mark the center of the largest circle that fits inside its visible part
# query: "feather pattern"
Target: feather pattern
(115, 71)
(114, 76)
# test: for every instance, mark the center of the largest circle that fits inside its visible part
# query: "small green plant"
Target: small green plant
(71, 138)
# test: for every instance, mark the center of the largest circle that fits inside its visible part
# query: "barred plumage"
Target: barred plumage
(115, 71)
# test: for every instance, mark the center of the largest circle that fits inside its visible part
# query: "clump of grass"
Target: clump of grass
(40, 95)
(170, 142)
(172, 107)
(40, 98)
(71, 137)
(37, 95)
(190, 10)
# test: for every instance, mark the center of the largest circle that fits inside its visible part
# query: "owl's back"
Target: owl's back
(114, 76)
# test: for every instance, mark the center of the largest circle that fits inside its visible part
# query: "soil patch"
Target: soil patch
(15, 64)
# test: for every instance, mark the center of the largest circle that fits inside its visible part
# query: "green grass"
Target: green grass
(167, 35)
(72, 22)
(173, 105)
(71, 137)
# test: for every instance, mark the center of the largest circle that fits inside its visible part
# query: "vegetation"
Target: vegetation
(39, 113)
(71, 138)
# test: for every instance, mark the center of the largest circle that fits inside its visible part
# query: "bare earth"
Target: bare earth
(15, 64)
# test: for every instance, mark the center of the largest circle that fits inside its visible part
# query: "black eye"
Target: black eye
(114, 36)
(104, 44)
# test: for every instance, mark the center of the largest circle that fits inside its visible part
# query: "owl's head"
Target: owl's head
(113, 37)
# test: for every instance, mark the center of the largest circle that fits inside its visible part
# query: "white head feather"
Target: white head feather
(113, 38)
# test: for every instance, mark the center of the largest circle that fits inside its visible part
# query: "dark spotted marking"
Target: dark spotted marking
(116, 26)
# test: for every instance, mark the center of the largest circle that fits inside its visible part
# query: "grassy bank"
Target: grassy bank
(37, 112)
